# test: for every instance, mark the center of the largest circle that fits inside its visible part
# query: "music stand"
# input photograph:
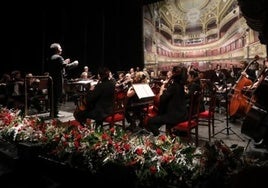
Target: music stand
(227, 128)
(143, 91)
(146, 98)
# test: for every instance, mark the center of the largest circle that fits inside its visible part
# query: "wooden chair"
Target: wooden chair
(207, 117)
(190, 127)
(37, 94)
(119, 108)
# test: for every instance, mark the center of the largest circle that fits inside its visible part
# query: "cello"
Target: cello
(240, 102)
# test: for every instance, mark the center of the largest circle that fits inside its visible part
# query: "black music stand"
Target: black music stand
(227, 128)
(146, 98)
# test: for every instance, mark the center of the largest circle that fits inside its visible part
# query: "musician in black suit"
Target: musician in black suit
(56, 69)
(193, 85)
(172, 103)
(99, 100)
(253, 70)
(260, 88)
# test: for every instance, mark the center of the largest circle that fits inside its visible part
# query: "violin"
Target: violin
(160, 89)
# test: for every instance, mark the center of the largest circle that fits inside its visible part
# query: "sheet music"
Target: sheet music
(84, 81)
(143, 91)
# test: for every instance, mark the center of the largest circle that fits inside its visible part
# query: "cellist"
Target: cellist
(260, 88)
(240, 96)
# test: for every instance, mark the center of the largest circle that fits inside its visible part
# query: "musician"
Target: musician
(193, 85)
(209, 74)
(134, 111)
(84, 76)
(99, 100)
(146, 73)
(111, 77)
(123, 82)
(168, 76)
(252, 72)
(219, 78)
(260, 88)
(33, 92)
(156, 87)
(262, 77)
(172, 103)
(233, 71)
(86, 73)
(121, 77)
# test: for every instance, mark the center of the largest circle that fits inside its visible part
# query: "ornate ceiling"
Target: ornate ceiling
(202, 30)
(195, 17)
(184, 16)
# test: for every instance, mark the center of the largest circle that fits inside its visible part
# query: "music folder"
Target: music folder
(143, 91)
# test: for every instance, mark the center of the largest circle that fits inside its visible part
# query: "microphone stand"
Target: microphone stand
(228, 128)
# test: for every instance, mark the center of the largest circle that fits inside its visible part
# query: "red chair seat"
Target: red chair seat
(185, 125)
(206, 118)
(190, 126)
(205, 114)
(118, 114)
(117, 117)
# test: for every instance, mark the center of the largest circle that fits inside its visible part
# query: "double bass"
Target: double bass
(239, 102)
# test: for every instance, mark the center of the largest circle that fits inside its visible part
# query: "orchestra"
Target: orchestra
(245, 94)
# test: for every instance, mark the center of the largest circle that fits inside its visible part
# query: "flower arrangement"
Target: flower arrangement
(161, 159)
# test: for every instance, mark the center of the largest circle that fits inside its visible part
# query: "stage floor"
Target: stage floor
(227, 131)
